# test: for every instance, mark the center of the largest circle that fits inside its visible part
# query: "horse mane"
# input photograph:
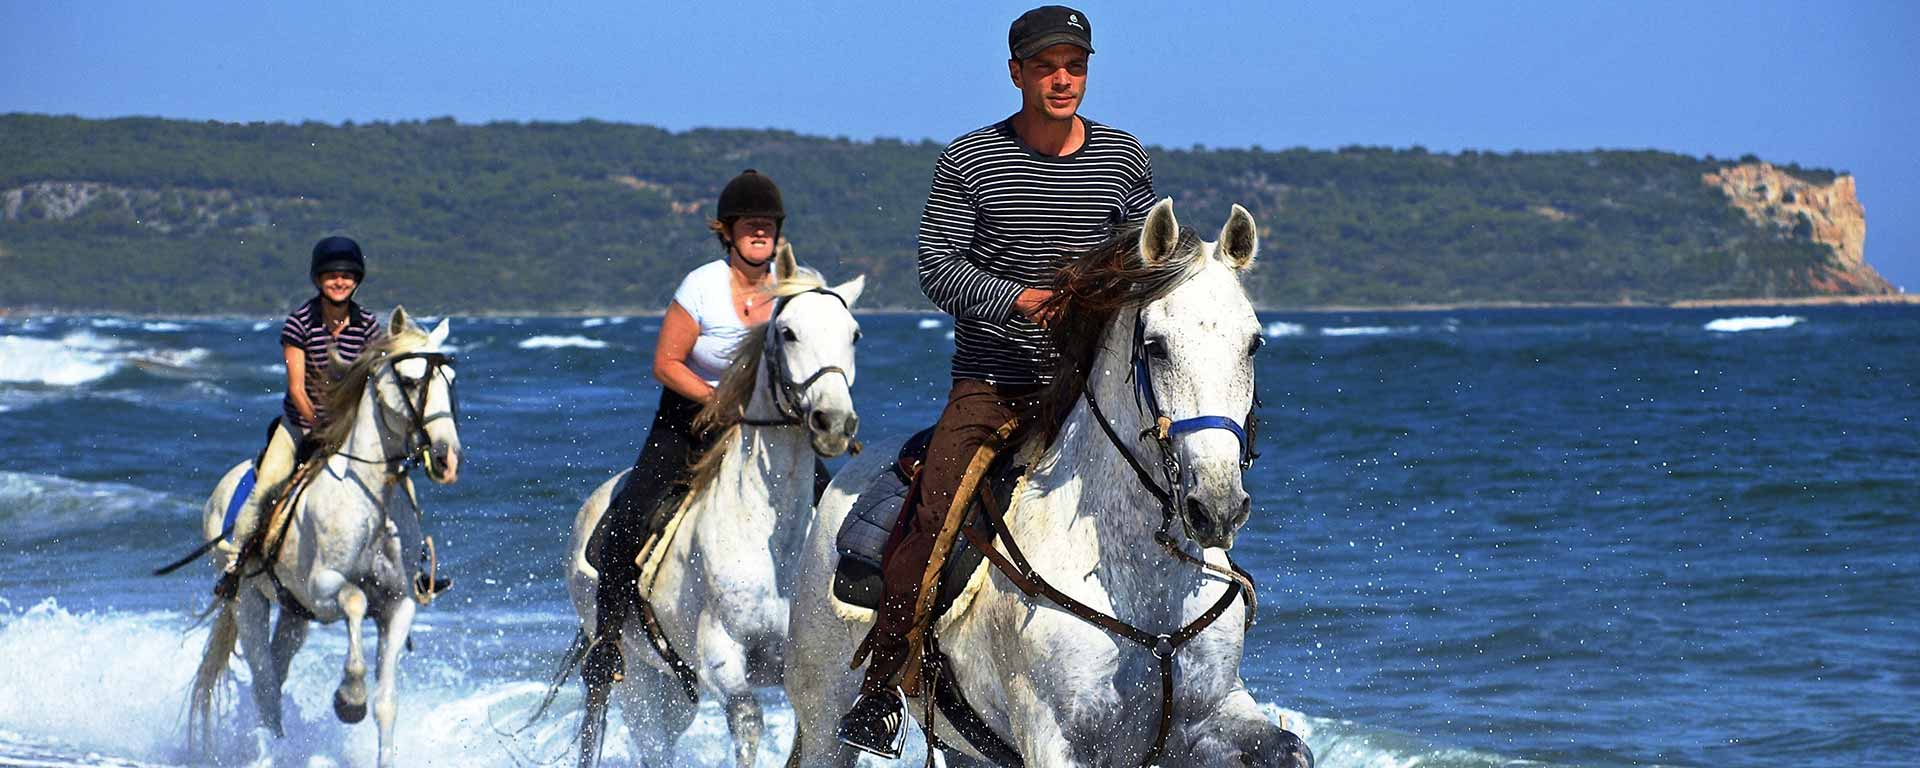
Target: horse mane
(343, 402)
(723, 411)
(1088, 292)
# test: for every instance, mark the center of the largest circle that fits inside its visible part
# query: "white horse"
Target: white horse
(718, 589)
(338, 554)
(1055, 687)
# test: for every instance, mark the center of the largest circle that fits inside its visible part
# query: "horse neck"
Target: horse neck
(369, 442)
(1094, 517)
(767, 473)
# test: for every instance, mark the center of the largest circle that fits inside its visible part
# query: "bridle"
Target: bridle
(781, 389)
(1163, 429)
(418, 451)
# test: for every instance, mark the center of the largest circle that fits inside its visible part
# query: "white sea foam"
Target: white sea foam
(929, 323)
(560, 342)
(1738, 324)
(593, 322)
(77, 359)
(1280, 328)
(1359, 330)
(261, 326)
(163, 327)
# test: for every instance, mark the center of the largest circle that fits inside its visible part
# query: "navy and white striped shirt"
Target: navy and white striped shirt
(306, 328)
(1002, 217)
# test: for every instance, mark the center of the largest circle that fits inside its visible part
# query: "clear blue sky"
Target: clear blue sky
(1822, 84)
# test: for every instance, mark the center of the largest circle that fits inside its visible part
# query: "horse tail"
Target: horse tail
(593, 724)
(221, 638)
(575, 653)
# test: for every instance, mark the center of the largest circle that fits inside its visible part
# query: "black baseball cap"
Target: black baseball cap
(1047, 26)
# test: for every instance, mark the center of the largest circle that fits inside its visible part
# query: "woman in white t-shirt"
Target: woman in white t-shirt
(711, 311)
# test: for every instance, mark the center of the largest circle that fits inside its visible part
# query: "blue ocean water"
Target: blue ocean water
(1570, 537)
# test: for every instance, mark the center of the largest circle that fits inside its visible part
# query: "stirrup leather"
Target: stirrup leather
(875, 733)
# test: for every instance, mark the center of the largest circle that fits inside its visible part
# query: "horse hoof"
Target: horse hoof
(348, 712)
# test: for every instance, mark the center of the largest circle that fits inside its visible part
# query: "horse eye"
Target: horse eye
(787, 333)
(1156, 349)
(858, 335)
(1254, 347)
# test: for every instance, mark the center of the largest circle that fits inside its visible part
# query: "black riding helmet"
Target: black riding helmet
(751, 194)
(337, 254)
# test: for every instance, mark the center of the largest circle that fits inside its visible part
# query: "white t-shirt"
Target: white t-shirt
(707, 295)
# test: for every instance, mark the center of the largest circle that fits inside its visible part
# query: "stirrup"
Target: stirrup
(874, 725)
(425, 589)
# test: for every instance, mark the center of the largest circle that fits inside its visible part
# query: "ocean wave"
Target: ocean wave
(77, 359)
(562, 342)
(35, 507)
(1281, 328)
(930, 323)
(162, 327)
(1739, 324)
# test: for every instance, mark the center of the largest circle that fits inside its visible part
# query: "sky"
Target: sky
(1829, 85)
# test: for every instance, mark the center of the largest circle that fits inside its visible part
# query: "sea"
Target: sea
(1543, 537)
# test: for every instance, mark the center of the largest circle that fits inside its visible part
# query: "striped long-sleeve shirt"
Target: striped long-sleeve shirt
(1001, 217)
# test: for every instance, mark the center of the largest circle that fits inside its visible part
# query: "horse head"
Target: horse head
(414, 387)
(1193, 363)
(809, 354)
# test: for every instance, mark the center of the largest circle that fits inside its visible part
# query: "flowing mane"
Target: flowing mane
(343, 403)
(1088, 292)
(736, 387)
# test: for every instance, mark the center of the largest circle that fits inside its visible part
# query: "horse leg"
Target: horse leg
(289, 635)
(1238, 733)
(655, 708)
(395, 622)
(350, 699)
(724, 660)
(255, 615)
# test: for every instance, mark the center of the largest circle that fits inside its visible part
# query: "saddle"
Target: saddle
(873, 526)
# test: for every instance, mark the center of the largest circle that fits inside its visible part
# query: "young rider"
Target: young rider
(711, 312)
(1009, 202)
(331, 324)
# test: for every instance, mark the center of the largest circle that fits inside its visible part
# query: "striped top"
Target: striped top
(1002, 217)
(306, 328)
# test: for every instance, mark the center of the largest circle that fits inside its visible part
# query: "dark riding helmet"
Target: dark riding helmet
(337, 254)
(751, 194)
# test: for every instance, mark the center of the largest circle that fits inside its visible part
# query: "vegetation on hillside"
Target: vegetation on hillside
(157, 215)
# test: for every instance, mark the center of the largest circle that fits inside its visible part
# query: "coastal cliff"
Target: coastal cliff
(1796, 208)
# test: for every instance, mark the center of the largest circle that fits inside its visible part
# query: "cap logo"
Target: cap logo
(1073, 19)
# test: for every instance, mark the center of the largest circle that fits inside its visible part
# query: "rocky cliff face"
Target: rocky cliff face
(1829, 213)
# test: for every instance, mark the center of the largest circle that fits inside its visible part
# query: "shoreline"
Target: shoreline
(1897, 299)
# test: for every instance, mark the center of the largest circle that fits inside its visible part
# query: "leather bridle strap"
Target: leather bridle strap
(1016, 568)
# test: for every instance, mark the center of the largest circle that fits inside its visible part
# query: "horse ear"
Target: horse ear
(1160, 234)
(398, 321)
(850, 290)
(439, 334)
(1239, 239)
(784, 265)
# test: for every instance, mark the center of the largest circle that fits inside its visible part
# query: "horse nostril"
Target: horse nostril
(852, 426)
(1197, 517)
(820, 422)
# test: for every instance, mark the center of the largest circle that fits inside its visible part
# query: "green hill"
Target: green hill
(169, 216)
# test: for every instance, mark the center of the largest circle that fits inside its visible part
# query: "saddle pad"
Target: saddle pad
(868, 527)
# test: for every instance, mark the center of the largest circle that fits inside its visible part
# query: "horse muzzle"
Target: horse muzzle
(831, 431)
(443, 463)
(1214, 509)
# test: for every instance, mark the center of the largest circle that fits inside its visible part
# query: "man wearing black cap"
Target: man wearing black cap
(1009, 203)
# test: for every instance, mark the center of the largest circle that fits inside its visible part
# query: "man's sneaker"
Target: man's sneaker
(873, 725)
